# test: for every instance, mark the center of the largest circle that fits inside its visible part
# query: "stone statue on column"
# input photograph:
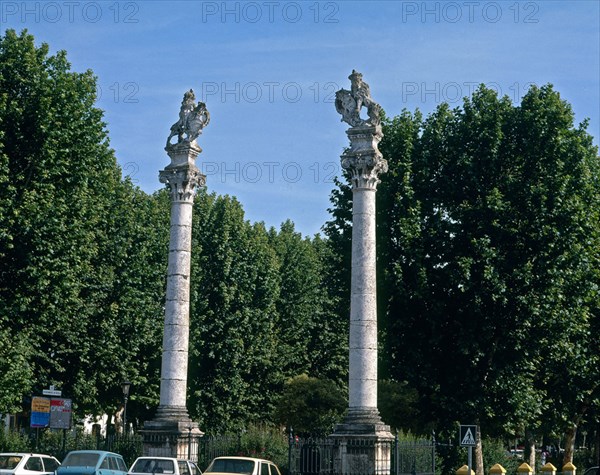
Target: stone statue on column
(364, 163)
(172, 433)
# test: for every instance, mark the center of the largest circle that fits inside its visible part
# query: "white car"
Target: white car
(241, 465)
(27, 464)
(164, 465)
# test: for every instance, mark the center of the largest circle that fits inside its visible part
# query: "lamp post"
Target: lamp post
(125, 385)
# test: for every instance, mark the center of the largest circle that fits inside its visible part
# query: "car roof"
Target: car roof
(92, 452)
(23, 454)
(150, 457)
(235, 457)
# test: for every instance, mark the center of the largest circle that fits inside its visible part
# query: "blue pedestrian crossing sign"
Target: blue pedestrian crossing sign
(467, 436)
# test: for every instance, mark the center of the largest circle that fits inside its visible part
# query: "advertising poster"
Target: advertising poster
(60, 413)
(40, 411)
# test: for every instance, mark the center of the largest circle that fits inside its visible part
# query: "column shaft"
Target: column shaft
(363, 303)
(177, 306)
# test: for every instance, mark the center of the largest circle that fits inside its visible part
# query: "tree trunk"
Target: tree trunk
(570, 435)
(530, 448)
(478, 453)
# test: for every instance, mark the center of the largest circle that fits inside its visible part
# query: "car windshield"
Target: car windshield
(153, 466)
(9, 462)
(81, 460)
(231, 466)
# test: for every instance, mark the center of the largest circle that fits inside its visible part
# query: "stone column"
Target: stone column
(182, 177)
(364, 162)
(172, 433)
(365, 441)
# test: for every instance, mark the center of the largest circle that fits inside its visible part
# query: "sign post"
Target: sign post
(468, 438)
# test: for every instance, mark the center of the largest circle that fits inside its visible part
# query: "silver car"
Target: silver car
(27, 464)
(163, 465)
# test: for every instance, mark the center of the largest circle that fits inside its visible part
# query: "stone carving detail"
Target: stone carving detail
(182, 182)
(364, 169)
(192, 119)
(349, 103)
(362, 159)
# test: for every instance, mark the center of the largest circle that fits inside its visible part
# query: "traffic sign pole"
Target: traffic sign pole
(470, 461)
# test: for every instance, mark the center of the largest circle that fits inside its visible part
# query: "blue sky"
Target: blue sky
(268, 71)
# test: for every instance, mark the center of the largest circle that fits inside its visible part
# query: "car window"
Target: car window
(264, 469)
(183, 467)
(112, 463)
(81, 460)
(9, 462)
(150, 465)
(121, 464)
(274, 469)
(105, 463)
(50, 464)
(195, 469)
(34, 464)
(226, 465)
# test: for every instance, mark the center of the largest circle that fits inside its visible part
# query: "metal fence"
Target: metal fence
(314, 456)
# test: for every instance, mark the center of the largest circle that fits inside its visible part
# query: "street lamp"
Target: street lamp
(125, 385)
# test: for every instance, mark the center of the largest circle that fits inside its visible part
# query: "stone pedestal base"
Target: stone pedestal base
(364, 444)
(171, 438)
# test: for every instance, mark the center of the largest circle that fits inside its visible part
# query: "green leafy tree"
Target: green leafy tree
(310, 406)
(308, 331)
(15, 370)
(232, 344)
(80, 248)
(59, 165)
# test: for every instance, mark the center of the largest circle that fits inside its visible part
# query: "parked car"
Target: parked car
(27, 464)
(92, 462)
(166, 465)
(242, 465)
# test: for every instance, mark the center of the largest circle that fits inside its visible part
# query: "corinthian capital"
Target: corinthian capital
(363, 159)
(182, 182)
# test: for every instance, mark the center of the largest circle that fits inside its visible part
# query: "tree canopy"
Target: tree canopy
(488, 257)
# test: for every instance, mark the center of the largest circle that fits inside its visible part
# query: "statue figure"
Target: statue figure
(349, 103)
(192, 119)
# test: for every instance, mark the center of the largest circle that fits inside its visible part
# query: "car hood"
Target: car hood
(75, 470)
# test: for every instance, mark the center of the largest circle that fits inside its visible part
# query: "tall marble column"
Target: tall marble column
(171, 431)
(364, 163)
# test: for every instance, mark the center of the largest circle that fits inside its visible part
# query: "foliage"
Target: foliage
(234, 291)
(309, 336)
(12, 441)
(267, 442)
(310, 406)
(398, 406)
(79, 267)
(15, 371)
(495, 452)
(258, 312)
